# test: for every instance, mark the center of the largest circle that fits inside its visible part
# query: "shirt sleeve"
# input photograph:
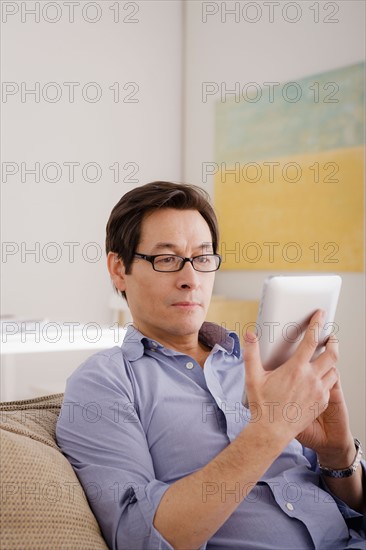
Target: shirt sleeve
(100, 433)
(354, 519)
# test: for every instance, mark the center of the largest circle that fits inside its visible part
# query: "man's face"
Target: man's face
(170, 304)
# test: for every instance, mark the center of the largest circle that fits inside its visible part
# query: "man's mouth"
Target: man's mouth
(187, 305)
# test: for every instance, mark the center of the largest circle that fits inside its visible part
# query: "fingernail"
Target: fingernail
(250, 337)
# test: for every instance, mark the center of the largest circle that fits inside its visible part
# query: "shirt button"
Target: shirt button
(189, 365)
(289, 506)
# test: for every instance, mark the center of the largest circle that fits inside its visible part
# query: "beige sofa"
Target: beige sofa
(43, 506)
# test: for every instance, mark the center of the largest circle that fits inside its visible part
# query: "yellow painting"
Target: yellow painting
(301, 205)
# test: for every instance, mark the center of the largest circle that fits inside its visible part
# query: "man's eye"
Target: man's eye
(166, 260)
(203, 259)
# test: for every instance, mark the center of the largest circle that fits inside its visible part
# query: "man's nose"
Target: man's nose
(188, 276)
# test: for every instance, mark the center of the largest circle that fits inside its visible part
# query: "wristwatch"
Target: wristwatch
(347, 472)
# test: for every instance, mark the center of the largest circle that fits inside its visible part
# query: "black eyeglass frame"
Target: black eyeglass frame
(151, 259)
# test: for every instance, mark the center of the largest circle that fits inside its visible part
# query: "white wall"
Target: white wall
(224, 48)
(138, 50)
(146, 133)
(147, 52)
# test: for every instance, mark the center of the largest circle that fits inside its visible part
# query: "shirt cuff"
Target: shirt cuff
(356, 520)
(346, 511)
(147, 498)
(151, 497)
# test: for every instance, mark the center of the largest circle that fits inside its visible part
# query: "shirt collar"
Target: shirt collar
(213, 334)
(135, 343)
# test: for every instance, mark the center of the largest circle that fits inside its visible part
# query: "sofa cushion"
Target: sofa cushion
(43, 505)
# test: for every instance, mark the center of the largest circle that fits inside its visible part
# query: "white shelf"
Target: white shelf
(63, 338)
(49, 338)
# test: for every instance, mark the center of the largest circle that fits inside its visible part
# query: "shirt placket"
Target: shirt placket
(234, 412)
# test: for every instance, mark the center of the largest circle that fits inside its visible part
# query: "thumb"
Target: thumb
(252, 360)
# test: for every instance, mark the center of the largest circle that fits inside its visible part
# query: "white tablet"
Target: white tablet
(286, 307)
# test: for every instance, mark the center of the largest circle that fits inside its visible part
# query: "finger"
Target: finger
(330, 379)
(331, 351)
(328, 358)
(252, 360)
(328, 382)
(332, 338)
(332, 344)
(307, 346)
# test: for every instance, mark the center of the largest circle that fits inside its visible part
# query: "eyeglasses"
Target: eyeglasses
(171, 262)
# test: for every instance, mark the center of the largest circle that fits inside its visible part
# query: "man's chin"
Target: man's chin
(186, 324)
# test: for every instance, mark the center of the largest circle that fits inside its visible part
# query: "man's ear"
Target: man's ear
(117, 271)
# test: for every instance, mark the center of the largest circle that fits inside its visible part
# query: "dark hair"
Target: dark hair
(124, 224)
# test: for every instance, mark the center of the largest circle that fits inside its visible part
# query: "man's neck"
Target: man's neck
(188, 344)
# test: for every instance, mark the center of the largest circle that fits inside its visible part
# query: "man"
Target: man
(158, 426)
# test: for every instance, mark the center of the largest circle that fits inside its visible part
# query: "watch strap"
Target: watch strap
(346, 472)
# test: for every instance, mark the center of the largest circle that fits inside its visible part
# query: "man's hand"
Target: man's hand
(329, 434)
(307, 402)
(293, 399)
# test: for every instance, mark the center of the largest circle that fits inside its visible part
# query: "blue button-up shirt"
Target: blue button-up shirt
(138, 417)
